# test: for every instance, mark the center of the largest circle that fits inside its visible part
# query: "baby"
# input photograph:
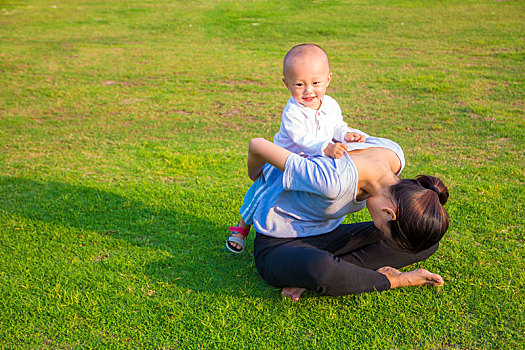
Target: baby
(311, 121)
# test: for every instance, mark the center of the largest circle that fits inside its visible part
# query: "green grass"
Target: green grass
(124, 128)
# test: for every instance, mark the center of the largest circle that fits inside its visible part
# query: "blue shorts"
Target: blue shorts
(257, 189)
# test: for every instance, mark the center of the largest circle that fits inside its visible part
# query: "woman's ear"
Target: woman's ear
(390, 212)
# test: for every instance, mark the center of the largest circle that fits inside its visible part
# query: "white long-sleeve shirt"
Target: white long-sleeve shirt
(309, 131)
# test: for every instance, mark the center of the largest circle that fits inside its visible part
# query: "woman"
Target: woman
(301, 243)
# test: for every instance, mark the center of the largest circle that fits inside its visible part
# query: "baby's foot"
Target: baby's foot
(293, 293)
(235, 246)
(237, 238)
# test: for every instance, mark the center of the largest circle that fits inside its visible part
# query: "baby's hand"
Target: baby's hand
(354, 137)
(335, 150)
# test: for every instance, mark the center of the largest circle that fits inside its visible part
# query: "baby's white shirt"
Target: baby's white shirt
(309, 131)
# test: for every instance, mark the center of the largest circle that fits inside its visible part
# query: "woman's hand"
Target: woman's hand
(415, 278)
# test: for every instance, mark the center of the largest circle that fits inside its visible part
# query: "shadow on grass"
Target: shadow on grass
(196, 258)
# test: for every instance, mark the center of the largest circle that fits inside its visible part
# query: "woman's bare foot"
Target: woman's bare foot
(419, 277)
(293, 293)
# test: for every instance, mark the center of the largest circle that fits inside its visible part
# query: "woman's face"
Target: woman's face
(382, 210)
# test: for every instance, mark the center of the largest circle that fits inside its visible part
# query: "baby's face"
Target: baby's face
(307, 78)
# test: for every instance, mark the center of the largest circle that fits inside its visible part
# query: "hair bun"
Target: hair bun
(434, 184)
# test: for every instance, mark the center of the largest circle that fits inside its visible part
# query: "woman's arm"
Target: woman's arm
(262, 151)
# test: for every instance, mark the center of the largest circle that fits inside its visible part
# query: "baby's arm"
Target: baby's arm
(342, 132)
(354, 137)
(335, 150)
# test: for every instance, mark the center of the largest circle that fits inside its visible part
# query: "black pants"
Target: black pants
(340, 262)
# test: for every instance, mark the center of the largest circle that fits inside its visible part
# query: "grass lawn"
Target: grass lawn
(124, 128)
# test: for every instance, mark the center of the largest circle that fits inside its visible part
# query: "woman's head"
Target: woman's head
(420, 219)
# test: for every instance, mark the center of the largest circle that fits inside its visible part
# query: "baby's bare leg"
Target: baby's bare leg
(419, 277)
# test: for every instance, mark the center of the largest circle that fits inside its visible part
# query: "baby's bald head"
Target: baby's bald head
(302, 53)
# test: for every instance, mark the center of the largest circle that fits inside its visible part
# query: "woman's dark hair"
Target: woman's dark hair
(421, 219)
